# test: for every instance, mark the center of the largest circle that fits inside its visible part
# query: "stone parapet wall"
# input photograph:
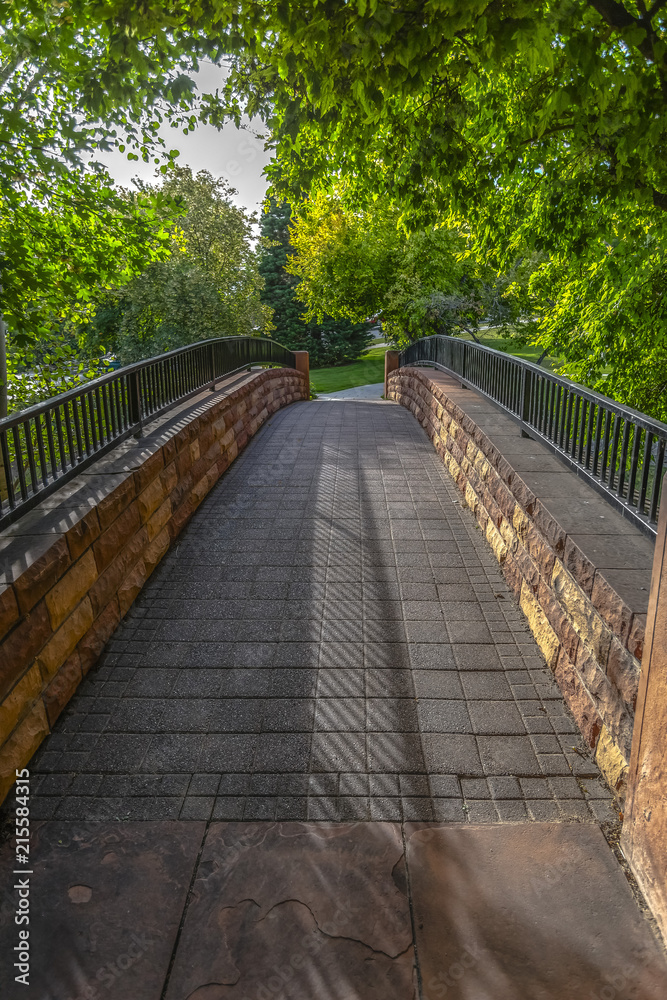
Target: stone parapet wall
(64, 589)
(590, 638)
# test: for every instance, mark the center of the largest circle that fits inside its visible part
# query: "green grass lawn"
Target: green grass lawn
(369, 369)
(529, 352)
(366, 371)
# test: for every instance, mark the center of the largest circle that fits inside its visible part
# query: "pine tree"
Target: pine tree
(330, 342)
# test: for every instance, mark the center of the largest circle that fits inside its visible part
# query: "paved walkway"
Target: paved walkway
(372, 391)
(331, 638)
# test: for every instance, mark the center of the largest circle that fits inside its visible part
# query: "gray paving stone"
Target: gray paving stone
(475, 788)
(306, 649)
(495, 717)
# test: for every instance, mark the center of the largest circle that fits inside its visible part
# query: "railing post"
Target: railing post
(302, 364)
(134, 402)
(644, 836)
(391, 364)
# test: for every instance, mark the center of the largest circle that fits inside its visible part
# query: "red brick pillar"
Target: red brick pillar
(302, 364)
(390, 365)
(644, 837)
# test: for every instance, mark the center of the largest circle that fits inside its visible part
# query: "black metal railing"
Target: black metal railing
(44, 446)
(619, 451)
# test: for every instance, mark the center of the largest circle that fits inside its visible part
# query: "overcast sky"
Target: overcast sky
(235, 154)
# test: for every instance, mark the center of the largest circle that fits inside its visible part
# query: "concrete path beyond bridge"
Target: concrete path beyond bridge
(322, 758)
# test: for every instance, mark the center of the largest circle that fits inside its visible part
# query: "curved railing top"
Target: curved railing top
(45, 445)
(618, 450)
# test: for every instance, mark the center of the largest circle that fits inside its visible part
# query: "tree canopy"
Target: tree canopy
(364, 263)
(328, 340)
(207, 286)
(474, 106)
(541, 127)
(76, 79)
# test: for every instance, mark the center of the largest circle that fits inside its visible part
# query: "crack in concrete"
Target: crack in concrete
(335, 937)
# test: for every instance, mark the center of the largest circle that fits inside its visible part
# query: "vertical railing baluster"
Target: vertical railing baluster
(657, 482)
(20, 471)
(646, 470)
(634, 464)
(7, 469)
(605, 445)
(49, 415)
(622, 468)
(41, 452)
(31, 455)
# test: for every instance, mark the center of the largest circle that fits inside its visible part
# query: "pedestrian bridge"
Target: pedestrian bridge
(289, 658)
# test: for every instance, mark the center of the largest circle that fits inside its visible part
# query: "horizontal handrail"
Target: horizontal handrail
(44, 446)
(617, 450)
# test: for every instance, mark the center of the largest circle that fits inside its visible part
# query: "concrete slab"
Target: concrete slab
(312, 911)
(365, 392)
(542, 911)
(105, 906)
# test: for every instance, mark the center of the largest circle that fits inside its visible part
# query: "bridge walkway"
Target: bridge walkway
(326, 707)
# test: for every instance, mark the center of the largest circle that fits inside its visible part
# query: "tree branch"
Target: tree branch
(613, 13)
(617, 17)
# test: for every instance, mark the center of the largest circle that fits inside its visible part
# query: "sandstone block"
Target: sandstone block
(9, 609)
(169, 477)
(82, 534)
(545, 636)
(623, 672)
(17, 702)
(157, 521)
(584, 617)
(608, 701)
(62, 687)
(527, 568)
(540, 551)
(149, 470)
(613, 610)
(578, 699)
(579, 565)
(611, 762)
(21, 645)
(21, 745)
(496, 541)
(155, 551)
(549, 527)
(150, 499)
(115, 537)
(108, 582)
(77, 581)
(521, 522)
(513, 574)
(93, 642)
(131, 586)
(471, 497)
(63, 642)
(558, 619)
(109, 508)
(41, 574)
